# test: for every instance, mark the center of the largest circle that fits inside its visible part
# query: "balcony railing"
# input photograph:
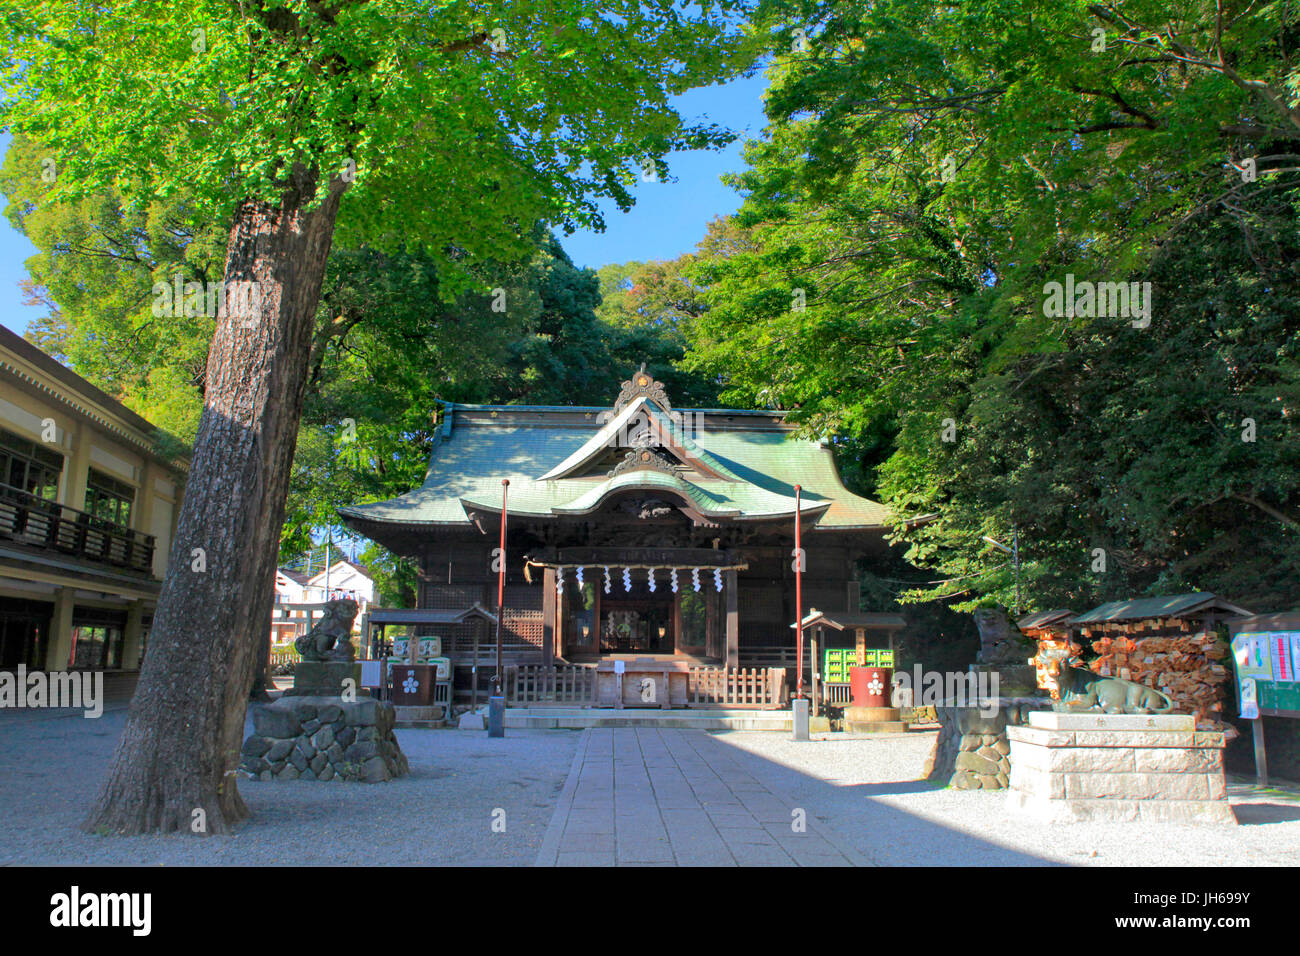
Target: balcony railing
(31, 520)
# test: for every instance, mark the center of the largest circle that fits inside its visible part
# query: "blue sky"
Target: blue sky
(669, 217)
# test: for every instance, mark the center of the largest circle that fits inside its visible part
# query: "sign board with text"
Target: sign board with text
(1265, 654)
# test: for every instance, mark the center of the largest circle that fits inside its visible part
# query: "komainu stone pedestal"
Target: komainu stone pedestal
(323, 738)
(1075, 767)
(323, 678)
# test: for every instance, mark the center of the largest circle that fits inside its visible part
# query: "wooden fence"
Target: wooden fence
(284, 654)
(835, 692)
(575, 685)
(772, 655)
(560, 684)
(762, 687)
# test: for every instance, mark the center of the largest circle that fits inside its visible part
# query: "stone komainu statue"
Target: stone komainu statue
(1082, 690)
(330, 638)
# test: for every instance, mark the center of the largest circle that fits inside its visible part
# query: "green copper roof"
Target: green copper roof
(640, 413)
(752, 453)
(1176, 605)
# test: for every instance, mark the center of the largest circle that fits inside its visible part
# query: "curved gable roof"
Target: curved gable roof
(743, 466)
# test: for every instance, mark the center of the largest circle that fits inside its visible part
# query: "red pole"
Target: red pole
(501, 588)
(798, 595)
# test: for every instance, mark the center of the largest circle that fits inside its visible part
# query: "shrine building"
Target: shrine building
(638, 531)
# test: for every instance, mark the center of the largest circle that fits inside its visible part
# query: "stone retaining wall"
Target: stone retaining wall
(323, 738)
(972, 751)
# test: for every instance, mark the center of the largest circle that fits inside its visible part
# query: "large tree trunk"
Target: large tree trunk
(180, 749)
(263, 682)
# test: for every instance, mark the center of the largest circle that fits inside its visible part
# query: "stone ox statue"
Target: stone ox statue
(1082, 690)
(330, 638)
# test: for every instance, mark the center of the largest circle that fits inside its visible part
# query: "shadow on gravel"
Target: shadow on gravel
(1253, 814)
(893, 787)
(884, 834)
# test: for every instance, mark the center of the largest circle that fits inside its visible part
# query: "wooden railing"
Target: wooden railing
(47, 524)
(560, 684)
(762, 687)
(771, 655)
(284, 654)
(575, 684)
(837, 693)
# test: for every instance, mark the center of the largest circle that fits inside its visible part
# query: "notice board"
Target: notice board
(1265, 655)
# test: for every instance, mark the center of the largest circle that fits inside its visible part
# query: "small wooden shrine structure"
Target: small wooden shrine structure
(864, 632)
(1169, 643)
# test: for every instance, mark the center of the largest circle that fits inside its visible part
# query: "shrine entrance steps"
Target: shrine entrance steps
(580, 718)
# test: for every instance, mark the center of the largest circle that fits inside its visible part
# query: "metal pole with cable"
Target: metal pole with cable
(497, 702)
(798, 594)
(799, 706)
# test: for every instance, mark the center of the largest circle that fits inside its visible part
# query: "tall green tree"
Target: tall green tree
(291, 121)
(929, 171)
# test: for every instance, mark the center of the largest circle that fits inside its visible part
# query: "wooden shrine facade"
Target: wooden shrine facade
(633, 531)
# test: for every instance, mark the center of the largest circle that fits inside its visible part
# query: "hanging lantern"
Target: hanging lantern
(650, 577)
(695, 578)
(578, 574)
(559, 579)
(606, 580)
(717, 578)
(627, 579)
(673, 575)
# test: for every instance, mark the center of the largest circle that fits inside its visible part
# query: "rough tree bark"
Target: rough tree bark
(180, 749)
(263, 683)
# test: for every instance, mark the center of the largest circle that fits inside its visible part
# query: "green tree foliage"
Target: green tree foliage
(929, 170)
(656, 306)
(300, 124)
(97, 262)
(387, 350)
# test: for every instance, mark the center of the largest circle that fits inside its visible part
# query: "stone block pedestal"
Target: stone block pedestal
(323, 678)
(1075, 767)
(323, 738)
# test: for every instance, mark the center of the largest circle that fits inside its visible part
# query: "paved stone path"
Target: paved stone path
(648, 797)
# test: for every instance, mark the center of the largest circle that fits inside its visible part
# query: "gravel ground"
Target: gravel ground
(870, 790)
(867, 790)
(440, 814)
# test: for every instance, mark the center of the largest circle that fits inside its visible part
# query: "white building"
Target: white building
(342, 579)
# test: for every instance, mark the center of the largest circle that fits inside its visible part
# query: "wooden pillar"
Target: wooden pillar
(60, 643)
(816, 704)
(1261, 758)
(131, 638)
(548, 617)
(77, 468)
(733, 618)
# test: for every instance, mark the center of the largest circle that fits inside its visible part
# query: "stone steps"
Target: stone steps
(575, 718)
